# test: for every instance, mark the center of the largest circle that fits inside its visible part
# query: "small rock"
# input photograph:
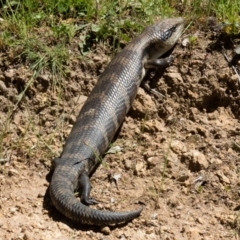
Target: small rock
(223, 179)
(116, 176)
(27, 236)
(44, 77)
(143, 104)
(106, 230)
(120, 234)
(197, 161)
(200, 220)
(202, 131)
(114, 150)
(183, 178)
(185, 190)
(192, 94)
(79, 101)
(12, 172)
(40, 195)
(150, 230)
(154, 216)
(176, 77)
(215, 161)
(72, 119)
(9, 74)
(128, 164)
(153, 125)
(3, 88)
(185, 42)
(164, 228)
(63, 227)
(194, 234)
(139, 168)
(13, 210)
(221, 134)
(152, 162)
(178, 147)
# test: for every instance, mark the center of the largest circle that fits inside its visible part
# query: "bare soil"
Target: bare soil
(179, 158)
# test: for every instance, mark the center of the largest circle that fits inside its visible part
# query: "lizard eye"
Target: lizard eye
(167, 34)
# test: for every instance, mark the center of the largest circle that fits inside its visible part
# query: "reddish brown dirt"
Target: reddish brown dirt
(180, 154)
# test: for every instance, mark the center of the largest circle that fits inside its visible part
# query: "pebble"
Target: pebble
(164, 228)
(106, 230)
(152, 162)
(222, 177)
(9, 74)
(139, 168)
(194, 234)
(128, 164)
(12, 172)
(197, 160)
(178, 147)
(215, 161)
(176, 76)
(144, 104)
(200, 220)
(13, 210)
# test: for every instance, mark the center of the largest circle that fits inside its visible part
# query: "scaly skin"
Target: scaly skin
(99, 119)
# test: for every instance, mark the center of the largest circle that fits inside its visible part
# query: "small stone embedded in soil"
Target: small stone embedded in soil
(3, 89)
(64, 227)
(176, 77)
(220, 134)
(196, 160)
(10, 73)
(152, 162)
(13, 209)
(192, 94)
(28, 236)
(40, 195)
(200, 220)
(202, 131)
(12, 172)
(143, 104)
(127, 164)
(79, 101)
(215, 161)
(193, 234)
(183, 178)
(164, 228)
(114, 149)
(178, 147)
(139, 168)
(185, 42)
(153, 125)
(150, 230)
(116, 176)
(106, 230)
(223, 179)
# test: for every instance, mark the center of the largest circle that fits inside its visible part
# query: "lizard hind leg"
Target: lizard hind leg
(85, 186)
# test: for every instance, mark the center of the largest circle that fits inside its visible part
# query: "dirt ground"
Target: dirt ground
(179, 154)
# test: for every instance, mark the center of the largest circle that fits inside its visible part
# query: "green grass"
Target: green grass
(94, 21)
(39, 34)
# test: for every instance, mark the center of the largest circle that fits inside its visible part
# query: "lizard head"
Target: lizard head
(164, 35)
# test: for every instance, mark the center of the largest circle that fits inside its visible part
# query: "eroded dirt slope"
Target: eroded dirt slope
(179, 157)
